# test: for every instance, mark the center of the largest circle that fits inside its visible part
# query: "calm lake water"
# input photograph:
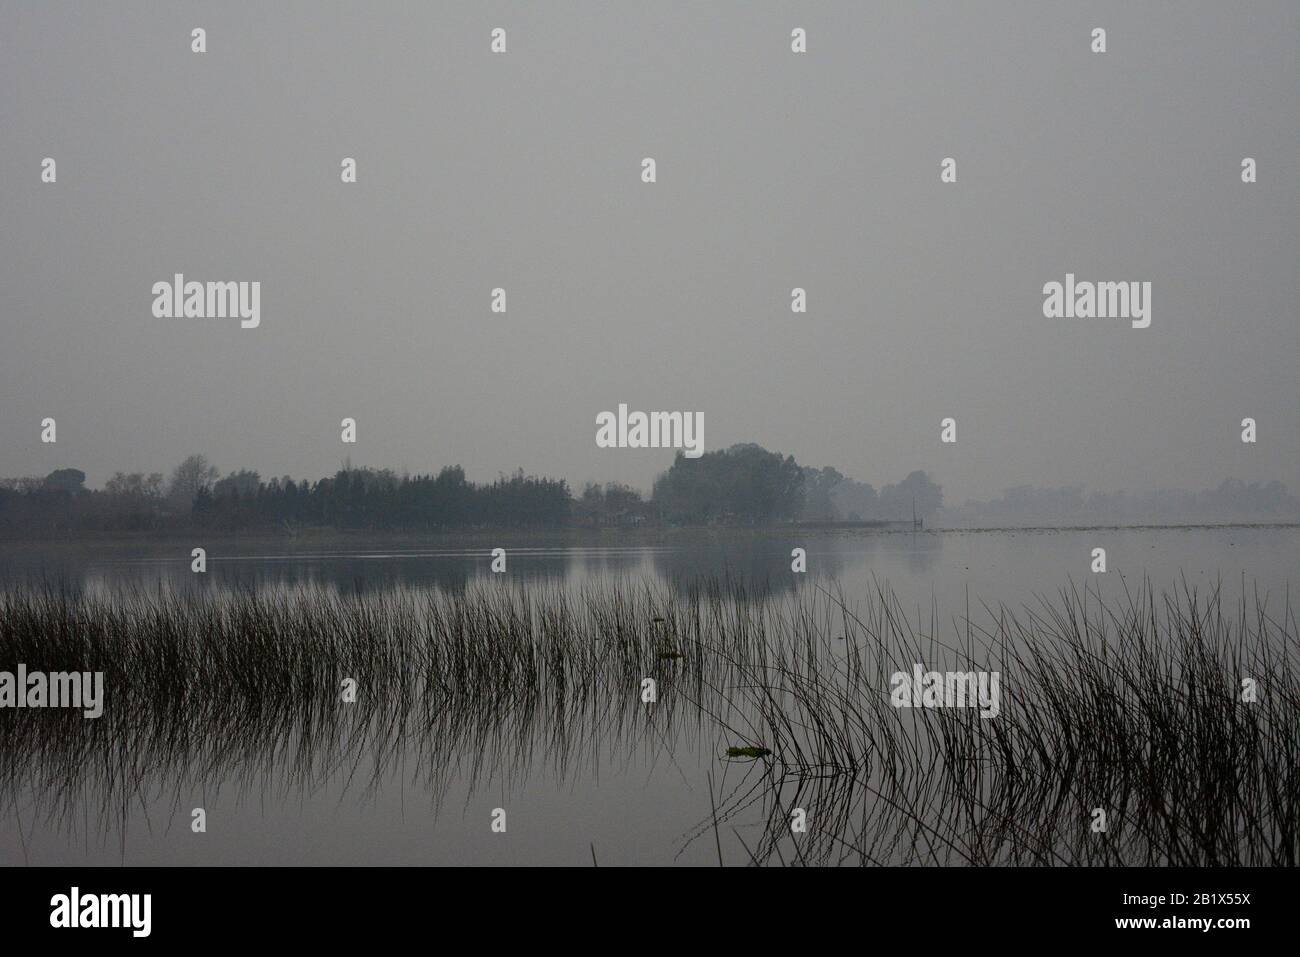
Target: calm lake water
(1005, 566)
(625, 801)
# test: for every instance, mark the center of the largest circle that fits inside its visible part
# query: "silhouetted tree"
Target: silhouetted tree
(745, 483)
(818, 484)
(896, 500)
(66, 480)
(194, 474)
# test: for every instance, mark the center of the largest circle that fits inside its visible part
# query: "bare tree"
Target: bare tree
(192, 475)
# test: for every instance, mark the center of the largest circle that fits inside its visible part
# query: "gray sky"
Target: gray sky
(775, 170)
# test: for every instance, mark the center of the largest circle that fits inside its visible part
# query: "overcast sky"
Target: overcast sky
(775, 170)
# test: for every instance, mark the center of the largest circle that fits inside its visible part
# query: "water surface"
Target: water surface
(624, 798)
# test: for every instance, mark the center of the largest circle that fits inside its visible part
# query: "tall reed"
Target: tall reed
(1132, 707)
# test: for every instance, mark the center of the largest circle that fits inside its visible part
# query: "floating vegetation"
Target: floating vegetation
(747, 752)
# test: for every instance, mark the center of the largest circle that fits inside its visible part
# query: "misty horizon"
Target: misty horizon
(376, 297)
(826, 493)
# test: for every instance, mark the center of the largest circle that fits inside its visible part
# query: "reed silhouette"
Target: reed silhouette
(1134, 707)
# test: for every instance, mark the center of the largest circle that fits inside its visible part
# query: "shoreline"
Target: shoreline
(316, 537)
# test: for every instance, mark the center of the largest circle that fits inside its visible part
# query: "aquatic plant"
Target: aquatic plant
(1136, 708)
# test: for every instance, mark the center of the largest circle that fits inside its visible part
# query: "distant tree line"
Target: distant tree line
(742, 485)
(353, 498)
(833, 497)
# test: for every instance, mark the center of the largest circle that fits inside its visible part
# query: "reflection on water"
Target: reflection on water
(762, 561)
(544, 718)
(1011, 567)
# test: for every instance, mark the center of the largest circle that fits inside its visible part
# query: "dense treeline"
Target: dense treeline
(365, 499)
(742, 485)
(370, 499)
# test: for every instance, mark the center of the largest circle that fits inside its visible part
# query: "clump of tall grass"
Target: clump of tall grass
(1131, 714)
(1133, 707)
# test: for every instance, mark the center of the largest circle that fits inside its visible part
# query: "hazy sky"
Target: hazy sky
(775, 170)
